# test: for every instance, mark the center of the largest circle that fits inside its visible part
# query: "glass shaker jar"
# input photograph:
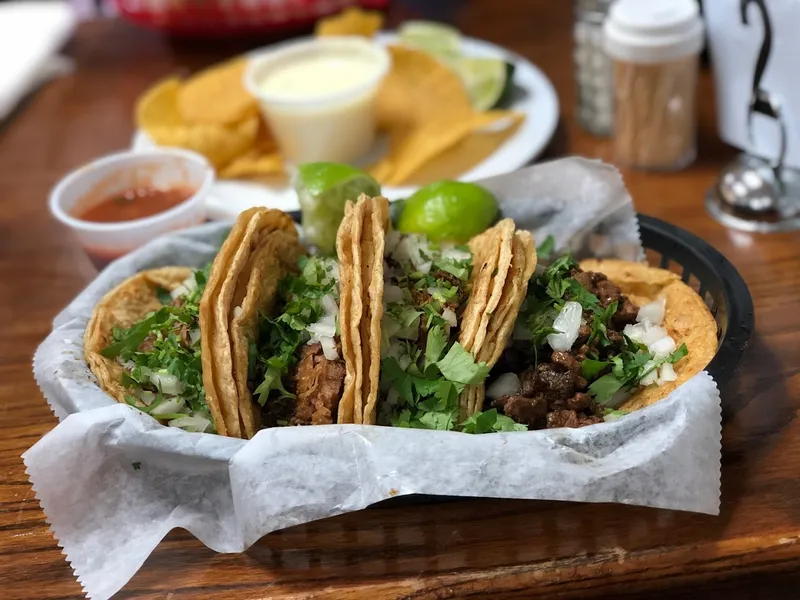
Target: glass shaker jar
(593, 75)
(654, 46)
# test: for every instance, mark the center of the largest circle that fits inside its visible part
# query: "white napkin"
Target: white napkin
(30, 35)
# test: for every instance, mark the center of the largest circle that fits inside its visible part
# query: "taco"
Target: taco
(294, 348)
(253, 340)
(598, 339)
(444, 307)
(143, 345)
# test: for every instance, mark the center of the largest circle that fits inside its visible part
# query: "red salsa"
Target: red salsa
(135, 203)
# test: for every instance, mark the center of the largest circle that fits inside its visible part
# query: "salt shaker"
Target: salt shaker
(654, 46)
(593, 75)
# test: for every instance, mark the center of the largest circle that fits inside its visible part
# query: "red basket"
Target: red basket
(226, 17)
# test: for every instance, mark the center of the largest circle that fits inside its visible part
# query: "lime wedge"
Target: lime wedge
(448, 211)
(323, 189)
(436, 38)
(484, 78)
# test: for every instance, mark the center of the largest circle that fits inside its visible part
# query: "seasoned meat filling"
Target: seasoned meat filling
(318, 383)
(552, 390)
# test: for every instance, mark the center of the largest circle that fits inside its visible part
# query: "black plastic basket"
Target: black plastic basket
(715, 279)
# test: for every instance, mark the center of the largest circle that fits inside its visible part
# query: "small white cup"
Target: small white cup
(93, 183)
(337, 126)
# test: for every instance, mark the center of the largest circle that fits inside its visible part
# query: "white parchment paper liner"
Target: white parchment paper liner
(113, 483)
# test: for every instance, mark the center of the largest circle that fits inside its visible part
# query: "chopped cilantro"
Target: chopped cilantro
(424, 379)
(163, 295)
(591, 368)
(164, 342)
(436, 342)
(459, 366)
(279, 339)
(615, 413)
(490, 421)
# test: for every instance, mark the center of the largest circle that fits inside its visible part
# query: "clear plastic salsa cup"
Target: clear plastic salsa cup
(115, 174)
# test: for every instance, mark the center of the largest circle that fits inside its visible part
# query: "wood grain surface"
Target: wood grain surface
(487, 548)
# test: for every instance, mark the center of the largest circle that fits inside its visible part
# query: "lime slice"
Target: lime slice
(448, 211)
(436, 38)
(484, 78)
(323, 189)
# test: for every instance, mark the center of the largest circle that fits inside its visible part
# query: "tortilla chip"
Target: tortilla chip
(419, 89)
(687, 319)
(122, 307)
(223, 290)
(158, 106)
(426, 111)
(351, 21)
(217, 96)
(464, 155)
(411, 149)
(253, 164)
(157, 114)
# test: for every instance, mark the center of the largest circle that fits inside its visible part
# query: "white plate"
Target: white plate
(534, 96)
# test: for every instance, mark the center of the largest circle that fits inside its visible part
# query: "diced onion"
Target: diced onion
(404, 361)
(635, 332)
(651, 377)
(179, 291)
(396, 349)
(391, 241)
(197, 424)
(610, 417)
(662, 348)
(449, 315)
(653, 312)
(392, 293)
(170, 406)
(190, 283)
(653, 334)
(410, 249)
(437, 291)
(454, 253)
(329, 305)
(145, 396)
(334, 271)
(194, 336)
(167, 383)
(237, 311)
(329, 348)
(325, 327)
(568, 322)
(645, 333)
(666, 373)
(505, 385)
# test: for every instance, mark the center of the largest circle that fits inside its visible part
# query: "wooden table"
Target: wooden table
(490, 548)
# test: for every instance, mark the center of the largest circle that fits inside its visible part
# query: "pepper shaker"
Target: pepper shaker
(654, 47)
